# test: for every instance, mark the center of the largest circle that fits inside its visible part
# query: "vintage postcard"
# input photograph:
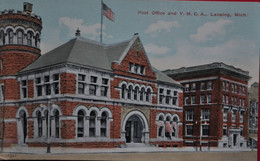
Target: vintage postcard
(151, 77)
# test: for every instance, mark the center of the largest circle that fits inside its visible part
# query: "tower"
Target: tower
(19, 39)
(20, 33)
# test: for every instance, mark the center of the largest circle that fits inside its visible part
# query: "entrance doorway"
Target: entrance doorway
(134, 128)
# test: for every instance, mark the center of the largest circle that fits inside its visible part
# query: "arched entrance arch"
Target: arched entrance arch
(135, 128)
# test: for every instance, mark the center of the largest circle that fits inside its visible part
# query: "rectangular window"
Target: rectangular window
(24, 88)
(92, 89)
(131, 65)
(193, 86)
(167, 100)
(205, 130)
(137, 68)
(232, 88)
(187, 87)
(56, 79)
(233, 116)
(226, 99)
(186, 100)
(47, 85)
(209, 98)
(104, 87)
(81, 84)
(227, 86)
(241, 117)
(202, 99)
(189, 130)
(224, 130)
(202, 86)
(209, 85)
(174, 101)
(205, 113)
(241, 130)
(142, 70)
(189, 115)
(225, 111)
(38, 86)
(193, 99)
(223, 86)
(161, 96)
(93, 79)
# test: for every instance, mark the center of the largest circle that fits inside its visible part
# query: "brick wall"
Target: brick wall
(30, 89)
(67, 129)
(15, 60)
(19, 15)
(135, 55)
(68, 83)
(12, 89)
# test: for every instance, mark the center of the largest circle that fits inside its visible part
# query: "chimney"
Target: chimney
(27, 7)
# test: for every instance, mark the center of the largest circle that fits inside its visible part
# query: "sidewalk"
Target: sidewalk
(61, 150)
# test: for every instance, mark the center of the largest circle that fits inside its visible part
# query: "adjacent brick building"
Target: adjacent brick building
(215, 104)
(253, 109)
(82, 93)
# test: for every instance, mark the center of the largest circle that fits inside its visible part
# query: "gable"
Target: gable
(134, 62)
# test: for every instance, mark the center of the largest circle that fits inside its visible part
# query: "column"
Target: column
(132, 131)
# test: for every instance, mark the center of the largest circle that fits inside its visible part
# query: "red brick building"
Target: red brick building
(82, 93)
(215, 104)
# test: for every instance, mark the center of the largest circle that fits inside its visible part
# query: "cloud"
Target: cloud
(210, 30)
(236, 52)
(91, 30)
(161, 26)
(156, 50)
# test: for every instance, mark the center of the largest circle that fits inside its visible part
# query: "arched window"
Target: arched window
(57, 123)
(129, 92)
(29, 38)
(135, 93)
(148, 95)
(2, 38)
(168, 128)
(39, 123)
(142, 94)
(174, 127)
(37, 39)
(104, 124)
(160, 126)
(20, 37)
(92, 124)
(123, 91)
(11, 36)
(80, 123)
(23, 118)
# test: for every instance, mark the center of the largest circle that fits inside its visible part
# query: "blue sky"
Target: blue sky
(170, 41)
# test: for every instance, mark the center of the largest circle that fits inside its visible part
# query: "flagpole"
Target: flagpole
(101, 21)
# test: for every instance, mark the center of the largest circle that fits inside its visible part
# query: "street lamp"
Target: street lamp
(48, 117)
(48, 129)
(200, 131)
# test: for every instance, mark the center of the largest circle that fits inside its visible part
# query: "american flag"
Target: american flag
(107, 12)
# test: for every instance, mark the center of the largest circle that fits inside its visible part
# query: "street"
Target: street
(156, 156)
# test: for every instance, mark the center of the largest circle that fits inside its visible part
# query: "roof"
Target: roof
(85, 52)
(163, 77)
(206, 69)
